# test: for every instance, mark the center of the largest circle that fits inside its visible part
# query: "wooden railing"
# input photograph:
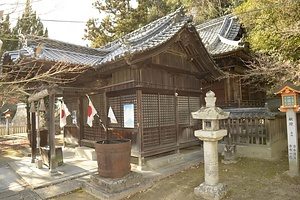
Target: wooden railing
(254, 131)
(12, 129)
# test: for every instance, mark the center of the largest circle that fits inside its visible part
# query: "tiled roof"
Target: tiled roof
(41, 48)
(244, 113)
(220, 35)
(147, 37)
(142, 40)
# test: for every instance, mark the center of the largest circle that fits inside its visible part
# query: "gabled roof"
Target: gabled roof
(147, 37)
(220, 35)
(138, 42)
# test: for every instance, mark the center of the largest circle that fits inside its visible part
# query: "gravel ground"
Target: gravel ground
(247, 179)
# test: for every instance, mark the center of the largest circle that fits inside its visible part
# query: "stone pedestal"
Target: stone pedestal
(114, 189)
(211, 188)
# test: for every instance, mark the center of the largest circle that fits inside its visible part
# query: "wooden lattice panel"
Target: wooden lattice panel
(168, 135)
(151, 137)
(183, 110)
(150, 110)
(194, 105)
(167, 110)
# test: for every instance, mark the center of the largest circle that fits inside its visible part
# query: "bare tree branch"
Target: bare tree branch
(26, 75)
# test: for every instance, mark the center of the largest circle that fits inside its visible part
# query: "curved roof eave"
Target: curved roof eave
(220, 35)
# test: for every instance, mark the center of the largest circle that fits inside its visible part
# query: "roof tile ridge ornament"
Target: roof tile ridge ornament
(223, 29)
(223, 33)
(238, 43)
(22, 40)
(129, 38)
(23, 43)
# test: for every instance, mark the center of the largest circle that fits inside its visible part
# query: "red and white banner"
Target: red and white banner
(91, 112)
(64, 113)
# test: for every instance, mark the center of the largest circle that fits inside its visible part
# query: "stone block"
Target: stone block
(211, 192)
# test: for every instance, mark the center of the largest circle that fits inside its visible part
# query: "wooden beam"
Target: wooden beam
(53, 161)
(53, 89)
(33, 137)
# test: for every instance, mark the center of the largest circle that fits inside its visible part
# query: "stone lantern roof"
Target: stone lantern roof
(210, 112)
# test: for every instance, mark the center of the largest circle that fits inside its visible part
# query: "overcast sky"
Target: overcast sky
(78, 11)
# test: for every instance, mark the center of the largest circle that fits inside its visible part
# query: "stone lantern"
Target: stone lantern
(210, 135)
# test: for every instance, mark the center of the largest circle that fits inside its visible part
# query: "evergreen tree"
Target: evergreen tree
(121, 18)
(6, 35)
(29, 23)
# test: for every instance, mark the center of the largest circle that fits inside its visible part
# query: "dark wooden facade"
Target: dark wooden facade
(164, 90)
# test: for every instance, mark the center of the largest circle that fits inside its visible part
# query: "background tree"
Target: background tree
(28, 24)
(273, 32)
(203, 10)
(6, 35)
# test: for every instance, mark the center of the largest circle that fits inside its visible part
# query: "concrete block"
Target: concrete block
(86, 152)
(38, 163)
(164, 161)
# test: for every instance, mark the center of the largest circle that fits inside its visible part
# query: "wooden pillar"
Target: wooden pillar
(53, 160)
(33, 137)
(176, 121)
(80, 120)
(139, 139)
(106, 119)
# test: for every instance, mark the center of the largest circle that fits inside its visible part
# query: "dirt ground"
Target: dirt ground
(11, 148)
(247, 179)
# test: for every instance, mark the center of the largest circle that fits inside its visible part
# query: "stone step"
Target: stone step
(86, 152)
(173, 159)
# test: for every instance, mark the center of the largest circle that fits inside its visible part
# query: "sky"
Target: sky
(77, 11)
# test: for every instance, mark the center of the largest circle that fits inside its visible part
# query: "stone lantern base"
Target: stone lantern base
(211, 192)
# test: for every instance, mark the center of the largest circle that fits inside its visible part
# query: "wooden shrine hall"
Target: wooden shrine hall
(151, 78)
